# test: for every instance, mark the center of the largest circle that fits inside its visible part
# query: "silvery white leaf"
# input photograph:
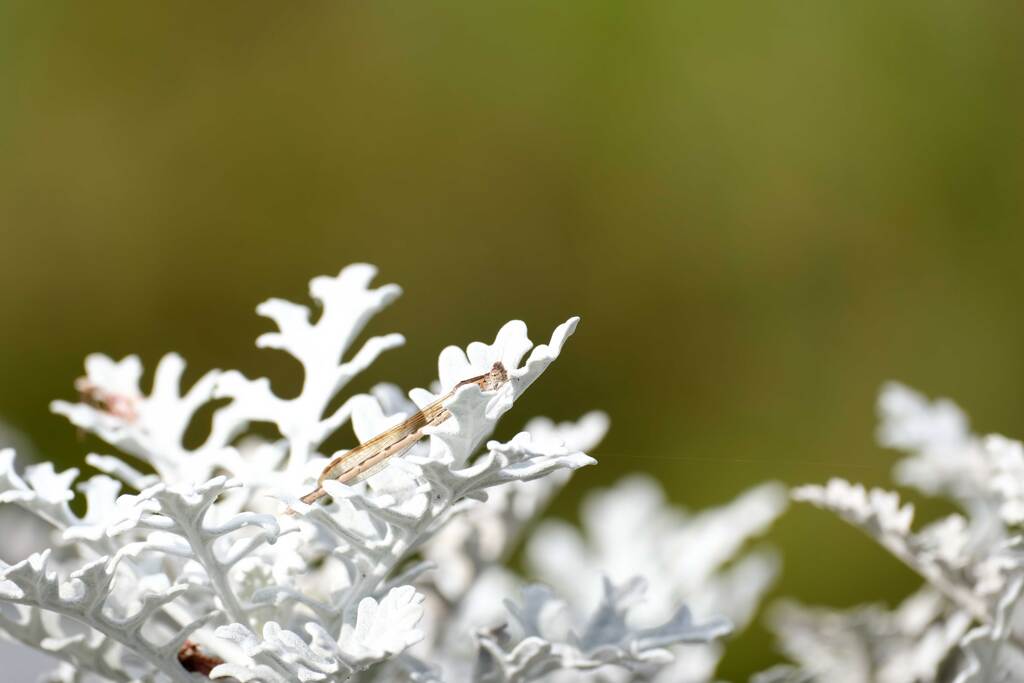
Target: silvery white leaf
(374, 632)
(148, 427)
(631, 528)
(988, 656)
(542, 638)
(869, 644)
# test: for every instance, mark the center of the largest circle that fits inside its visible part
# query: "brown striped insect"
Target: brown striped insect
(370, 457)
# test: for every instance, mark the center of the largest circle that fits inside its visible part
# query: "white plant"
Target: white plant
(631, 530)
(636, 552)
(963, 625)
(184, 567)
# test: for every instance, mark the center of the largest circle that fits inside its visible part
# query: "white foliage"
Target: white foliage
(630, 530)
(598, 589)
(148, 427)
(543, 638)
(471, 543)
(193, 570)
(943, 456)
(972, 563)
(909, 422)
(870, 644)
(86, 598)
(370, 633)
(989, 654)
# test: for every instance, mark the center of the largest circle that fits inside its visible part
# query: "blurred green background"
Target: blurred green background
(760, 210)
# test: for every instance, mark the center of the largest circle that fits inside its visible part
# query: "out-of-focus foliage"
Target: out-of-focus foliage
(963, 625)
(761, 211)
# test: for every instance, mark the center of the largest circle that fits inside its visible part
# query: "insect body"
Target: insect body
(368, 458)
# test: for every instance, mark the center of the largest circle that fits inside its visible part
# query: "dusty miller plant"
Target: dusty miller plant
(963, 625)
(183, 567)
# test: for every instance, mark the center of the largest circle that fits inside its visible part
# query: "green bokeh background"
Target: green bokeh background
(760, 210)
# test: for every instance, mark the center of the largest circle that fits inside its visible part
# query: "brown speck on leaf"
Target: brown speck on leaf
(113, 404)
(192, 659)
